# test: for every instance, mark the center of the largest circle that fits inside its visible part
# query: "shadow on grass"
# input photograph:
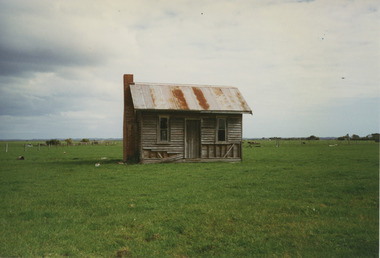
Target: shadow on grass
(84, 162)
(77, 161)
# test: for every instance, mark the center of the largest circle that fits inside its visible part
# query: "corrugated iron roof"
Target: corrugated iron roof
(154, 96)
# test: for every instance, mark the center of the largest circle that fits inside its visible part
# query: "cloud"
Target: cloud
(47, 94)
(48, 59)
(42, 36)
(64, 60)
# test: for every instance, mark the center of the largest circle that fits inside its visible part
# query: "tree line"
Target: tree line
(68, 141)
(355, 137)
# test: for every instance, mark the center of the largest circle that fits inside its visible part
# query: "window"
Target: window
(163, 129)
(221, 130)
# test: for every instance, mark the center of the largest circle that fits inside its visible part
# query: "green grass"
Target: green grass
(295, 200)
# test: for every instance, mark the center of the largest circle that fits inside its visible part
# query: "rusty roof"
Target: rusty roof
(177, 97)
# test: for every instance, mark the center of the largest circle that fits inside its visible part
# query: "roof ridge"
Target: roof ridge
(184, 85)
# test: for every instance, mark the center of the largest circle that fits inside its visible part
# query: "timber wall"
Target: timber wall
(153, 151)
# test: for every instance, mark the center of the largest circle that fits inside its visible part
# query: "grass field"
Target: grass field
(295, 200)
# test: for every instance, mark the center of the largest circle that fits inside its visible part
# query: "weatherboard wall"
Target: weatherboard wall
(153, 151)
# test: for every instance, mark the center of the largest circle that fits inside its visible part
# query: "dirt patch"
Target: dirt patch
(123, 253)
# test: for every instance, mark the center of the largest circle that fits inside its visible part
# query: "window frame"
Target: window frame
(159, 129)
(225, 129)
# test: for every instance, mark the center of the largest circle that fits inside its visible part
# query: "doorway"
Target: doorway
(193, 139)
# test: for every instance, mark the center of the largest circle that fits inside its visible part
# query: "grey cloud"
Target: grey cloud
(34, 40)
(38, 96)
(16, 61)
(29, 105)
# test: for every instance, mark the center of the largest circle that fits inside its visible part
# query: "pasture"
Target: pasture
(296, 200)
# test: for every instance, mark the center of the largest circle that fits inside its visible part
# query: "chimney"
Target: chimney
(129, 120)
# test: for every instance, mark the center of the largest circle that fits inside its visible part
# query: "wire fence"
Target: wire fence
(38, 146)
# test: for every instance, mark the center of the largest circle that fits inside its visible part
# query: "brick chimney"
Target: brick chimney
(129, 121)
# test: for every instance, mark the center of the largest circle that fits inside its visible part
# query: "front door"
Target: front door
(193, 139)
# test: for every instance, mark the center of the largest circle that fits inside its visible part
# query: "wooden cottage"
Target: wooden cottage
(182, 123)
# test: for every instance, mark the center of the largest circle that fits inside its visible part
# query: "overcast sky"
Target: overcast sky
(304, 67)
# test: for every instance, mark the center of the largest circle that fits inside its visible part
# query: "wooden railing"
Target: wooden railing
(221, 150)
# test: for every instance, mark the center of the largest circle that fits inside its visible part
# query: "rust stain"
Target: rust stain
(152, 95)
(178, 94)
(242, 101)
(218, 91)
(222, 99)
(201, 98)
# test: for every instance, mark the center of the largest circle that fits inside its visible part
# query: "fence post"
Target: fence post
(6, 147)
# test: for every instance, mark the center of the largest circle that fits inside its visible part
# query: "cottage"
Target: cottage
(182, 123)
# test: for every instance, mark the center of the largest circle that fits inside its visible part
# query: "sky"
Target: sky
(304, 67)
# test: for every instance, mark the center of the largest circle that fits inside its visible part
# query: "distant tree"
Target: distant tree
(312, 137)
(355, 137)
(53, 142)
(375, 137)
(69, 141)
(366, 138)
(341, 138)
(85, 140)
